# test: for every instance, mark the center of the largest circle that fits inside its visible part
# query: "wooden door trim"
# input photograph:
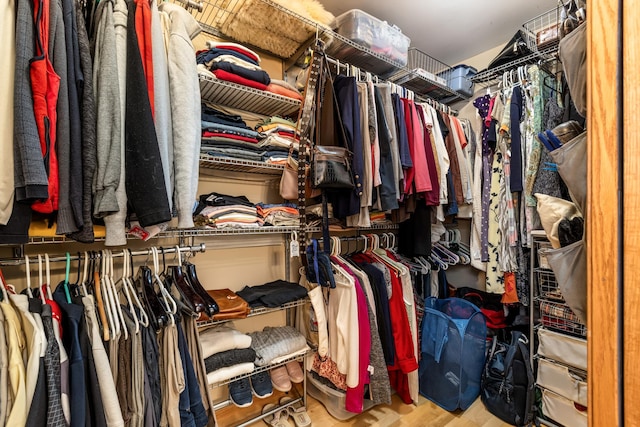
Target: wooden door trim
(602, 214)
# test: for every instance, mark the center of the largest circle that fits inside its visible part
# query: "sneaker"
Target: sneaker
(240, 392)
(295, 372)
(261, 385)
(280, 379)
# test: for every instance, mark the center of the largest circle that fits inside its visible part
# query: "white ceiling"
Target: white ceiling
(450, 30)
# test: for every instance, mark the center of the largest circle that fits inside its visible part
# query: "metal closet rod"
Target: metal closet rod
(98, 254)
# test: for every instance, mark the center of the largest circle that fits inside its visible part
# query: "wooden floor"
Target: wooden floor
(398, 414)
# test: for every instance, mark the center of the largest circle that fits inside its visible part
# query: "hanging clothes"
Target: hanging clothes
(146, 191)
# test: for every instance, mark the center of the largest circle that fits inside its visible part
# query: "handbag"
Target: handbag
(289, 179)
(232, 306)
(331, 164)
(332, 168)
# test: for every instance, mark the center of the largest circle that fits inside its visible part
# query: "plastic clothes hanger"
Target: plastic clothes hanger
(157, 314)
(40, 282)
(114, 294)
(106, 297)
(169, 303)
(65, 284)
(102, 312)
(211, 306)
(28, 273)
(125, 291)
(85, 267)
(142, 315)
(189, 296)
(47, 268)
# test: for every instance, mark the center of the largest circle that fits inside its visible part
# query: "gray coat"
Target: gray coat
(30, 175)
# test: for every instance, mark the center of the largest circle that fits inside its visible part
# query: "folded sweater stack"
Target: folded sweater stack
(238, 64)
(227, 353)
(273, 344)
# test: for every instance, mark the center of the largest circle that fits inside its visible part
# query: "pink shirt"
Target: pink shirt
(355, 396)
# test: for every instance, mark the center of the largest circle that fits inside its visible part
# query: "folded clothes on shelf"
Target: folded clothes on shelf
(222, 338)
(229, 358)
(272, 294)
(230, 372)
(275, 342)
(214, 115)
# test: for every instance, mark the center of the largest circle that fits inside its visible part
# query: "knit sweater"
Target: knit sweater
(184, 88)
(115, 223)
(274, 342)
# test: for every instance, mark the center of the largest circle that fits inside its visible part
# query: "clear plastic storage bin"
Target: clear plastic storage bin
(372, 33)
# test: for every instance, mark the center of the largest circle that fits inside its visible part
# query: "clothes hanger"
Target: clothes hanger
(40, 282)
(157, 313)
(28, 273)
(116, 300)
(83, 282)
(211, 306)
(189, 296)
(102, 312)
(445, 254)
(47, 267)
(142, 315)
(125, 291)
(106, 297)
(169, 304)
(65, 284)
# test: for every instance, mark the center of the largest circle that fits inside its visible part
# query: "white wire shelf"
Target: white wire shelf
(227, 18)
(343, 49)
(212, 232)
(237, 165)
(258, 311)
(493, 74)
(546, 22)
(246, 98)
(427, 76)
(258, 369)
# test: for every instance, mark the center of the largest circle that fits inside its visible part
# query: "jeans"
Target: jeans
(192, 413)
